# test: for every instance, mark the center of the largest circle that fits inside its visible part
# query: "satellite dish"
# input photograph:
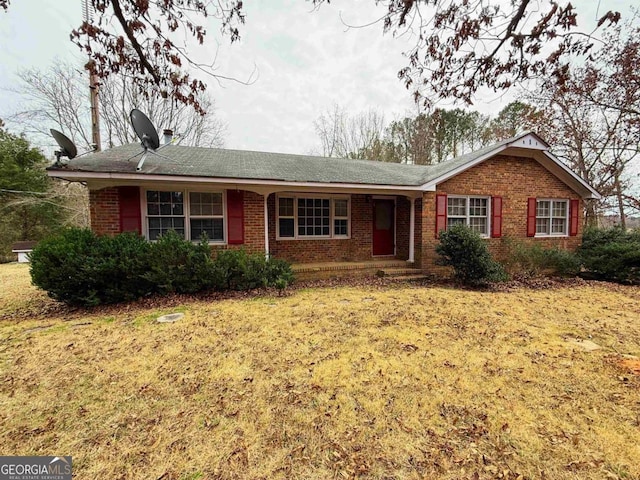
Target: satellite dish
(147, 134)
(145, 130)
(67, 148)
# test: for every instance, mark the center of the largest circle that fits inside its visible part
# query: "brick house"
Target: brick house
(314, 209)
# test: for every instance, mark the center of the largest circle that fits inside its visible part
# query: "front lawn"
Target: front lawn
(388, 382)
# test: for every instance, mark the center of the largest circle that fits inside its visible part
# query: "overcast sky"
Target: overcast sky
(306, 62)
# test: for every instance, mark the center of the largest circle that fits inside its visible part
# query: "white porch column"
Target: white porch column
(412, 230)
(266, 225)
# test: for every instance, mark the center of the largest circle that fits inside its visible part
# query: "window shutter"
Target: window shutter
(574, 217)
(496, 217)
(130, 216)
(235, 217)
(441, 213)
(531, 217)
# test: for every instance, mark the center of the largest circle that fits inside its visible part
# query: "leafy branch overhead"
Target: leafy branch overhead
(458, 46)
(137, 38)
(462, 46)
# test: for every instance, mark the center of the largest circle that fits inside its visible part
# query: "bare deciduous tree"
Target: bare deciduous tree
(591, 119)
(58, 97)
(345, 136)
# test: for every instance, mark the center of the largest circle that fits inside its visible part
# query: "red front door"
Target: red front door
(383, 227)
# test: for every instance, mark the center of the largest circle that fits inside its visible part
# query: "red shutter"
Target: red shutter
(574, 216)
(441, 213)
(531, 217)
(235, 217)
(496, 217)
(129, 200)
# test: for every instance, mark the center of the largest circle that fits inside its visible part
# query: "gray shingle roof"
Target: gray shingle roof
(241, 164)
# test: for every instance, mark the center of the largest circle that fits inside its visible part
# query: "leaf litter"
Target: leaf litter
(418, 381)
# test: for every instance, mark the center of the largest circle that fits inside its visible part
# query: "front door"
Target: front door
(383, 227)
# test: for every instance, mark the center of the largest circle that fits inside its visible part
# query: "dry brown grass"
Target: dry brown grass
(382, 382)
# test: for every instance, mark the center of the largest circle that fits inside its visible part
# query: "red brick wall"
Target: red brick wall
(403, 210)
(418, 233)
(356, 248)
(253, 225)
(104, 207)
(104, 210)
(515, 179)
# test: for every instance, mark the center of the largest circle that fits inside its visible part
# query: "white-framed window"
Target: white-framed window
(165, 211)
(206, 216)
(286, 217)
(470, 211)
(189, 213)
(552, 217)
(340, 217)
(312, 216)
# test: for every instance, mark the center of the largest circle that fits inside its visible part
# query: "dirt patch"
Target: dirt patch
(632, 365)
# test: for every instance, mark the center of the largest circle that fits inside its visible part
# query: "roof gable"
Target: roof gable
(526, 144)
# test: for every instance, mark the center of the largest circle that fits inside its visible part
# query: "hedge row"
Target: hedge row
(606, 254)
(79, 267)
(611, 254)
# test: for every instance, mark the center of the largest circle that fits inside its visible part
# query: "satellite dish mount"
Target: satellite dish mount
(67, 147)
(147, 134)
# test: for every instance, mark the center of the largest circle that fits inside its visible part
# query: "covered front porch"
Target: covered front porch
(307, 227)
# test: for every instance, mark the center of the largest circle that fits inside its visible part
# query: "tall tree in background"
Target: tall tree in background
(460, 46)
(410, 140)
(58, 97)
(28, 211)
(422, 140)
(350, 136)
(592, 118)
(515, 117)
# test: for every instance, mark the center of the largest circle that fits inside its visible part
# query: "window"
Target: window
(165, 211)
(551, 217)
(313, 217)
(206, 216)
(286, 218)
(309, 217)
(190, 215)
(470, 211)
(340, 218)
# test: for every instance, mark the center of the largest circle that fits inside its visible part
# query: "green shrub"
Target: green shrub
(465, 251)
(279, 273)
(611, 254)
(180, 266)
(237, 270)
(80, 268)
(533, 260)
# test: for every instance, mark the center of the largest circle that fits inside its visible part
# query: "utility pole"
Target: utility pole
(87, 14)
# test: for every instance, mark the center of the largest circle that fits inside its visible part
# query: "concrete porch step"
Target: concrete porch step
(340, 266)
(398, 272)
(384, 268)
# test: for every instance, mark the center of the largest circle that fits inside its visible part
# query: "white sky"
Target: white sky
(307, 61)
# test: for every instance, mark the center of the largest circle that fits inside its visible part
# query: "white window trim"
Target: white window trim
(467, 216)
(186, 211)
(331, 235)
(551, 217)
